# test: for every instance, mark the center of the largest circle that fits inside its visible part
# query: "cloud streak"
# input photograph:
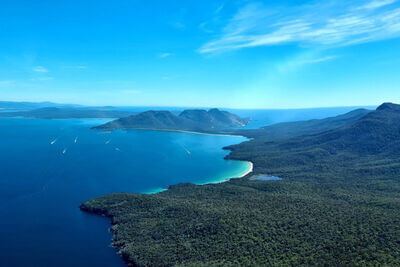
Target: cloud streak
(165, 55)
(335, 23)
(40, 69)
(377, 4)
(319, 60)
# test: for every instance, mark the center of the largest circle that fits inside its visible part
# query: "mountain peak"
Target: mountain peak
(389, 106)
(213, 110)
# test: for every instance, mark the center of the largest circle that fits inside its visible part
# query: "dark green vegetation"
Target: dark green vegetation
(199, 120)
(337, 205)
(67, 113)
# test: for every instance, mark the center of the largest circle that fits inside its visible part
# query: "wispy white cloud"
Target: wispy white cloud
(219, 8)
(303, 60)
(377, 4)
(165, 55)
(40, 69)
(210, 24)
(319, 60)
(332, 23)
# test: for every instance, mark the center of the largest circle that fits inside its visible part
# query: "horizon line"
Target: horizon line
(203, 107)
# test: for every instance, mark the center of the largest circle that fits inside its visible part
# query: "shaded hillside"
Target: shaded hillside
(150, 120)
(373, 137)
(336, 205)
(188, 120)
(377, 132)
(66, 113)
(287, 130)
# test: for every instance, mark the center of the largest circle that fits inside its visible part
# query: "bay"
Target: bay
(49, 167)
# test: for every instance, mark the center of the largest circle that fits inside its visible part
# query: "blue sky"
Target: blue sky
(238, 54)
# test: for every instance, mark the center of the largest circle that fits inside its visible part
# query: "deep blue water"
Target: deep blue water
(41, 188)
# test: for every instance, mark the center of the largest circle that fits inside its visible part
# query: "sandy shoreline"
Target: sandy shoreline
(250, 170)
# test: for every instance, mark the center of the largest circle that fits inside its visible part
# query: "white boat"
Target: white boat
(107, 142)
(53, 142)
(117, 149)
(76, 140)
(187, 151)
(64, 151)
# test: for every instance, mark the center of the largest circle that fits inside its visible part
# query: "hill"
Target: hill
(188, 120)
(336, 205)
(287, 130)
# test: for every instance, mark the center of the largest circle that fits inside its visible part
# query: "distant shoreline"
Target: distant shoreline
(170, 130)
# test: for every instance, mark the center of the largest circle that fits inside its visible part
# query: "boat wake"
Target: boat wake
(187, 151)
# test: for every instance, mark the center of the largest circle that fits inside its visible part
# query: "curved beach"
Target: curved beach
(212, 181)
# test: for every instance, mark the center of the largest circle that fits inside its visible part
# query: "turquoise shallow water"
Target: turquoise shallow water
(41, 187)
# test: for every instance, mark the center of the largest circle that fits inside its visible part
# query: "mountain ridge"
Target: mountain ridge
(57, 112)
(285, 130)
(188, 120)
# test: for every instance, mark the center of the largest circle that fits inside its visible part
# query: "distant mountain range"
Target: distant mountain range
(200, 120)
(376, 132)
(24, 106)
(68, 112)
(287, 130)
(361, 134)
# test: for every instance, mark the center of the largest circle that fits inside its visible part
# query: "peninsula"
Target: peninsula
(196, 120)
(337, 202)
